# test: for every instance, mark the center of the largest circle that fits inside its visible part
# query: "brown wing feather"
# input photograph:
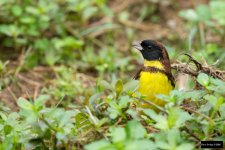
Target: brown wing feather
(171, 78)
(137, 75)
(166, 63)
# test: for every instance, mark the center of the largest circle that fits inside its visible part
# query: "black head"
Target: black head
(150, 49)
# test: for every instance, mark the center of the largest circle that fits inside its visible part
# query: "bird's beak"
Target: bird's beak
(138, 46)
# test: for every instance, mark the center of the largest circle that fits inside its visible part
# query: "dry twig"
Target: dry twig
(197, 68)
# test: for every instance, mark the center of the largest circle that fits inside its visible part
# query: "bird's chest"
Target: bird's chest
(154, 83)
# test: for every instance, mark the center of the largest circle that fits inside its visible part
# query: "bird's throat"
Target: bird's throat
(153, 63)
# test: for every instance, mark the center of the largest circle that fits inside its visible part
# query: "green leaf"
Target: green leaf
(99, 28)
(113, 110)
(217, 10)
(1, 127)
(186, 146)
(17, 10)
(27, 20)
(118, 87)
(166, 98)
(217, 82)
(40, 101)
(24, 104)
(32, 10)
(12, 119)
(99, 145)
(51, 57)
(140, 145)
(131, 85)
(113, 115)
(124, 100)
(189, 15)
(163, 145)
(123, 16)
(10, 30)
(194, 95)
(72, 42)
(203, 79)
(118, 134)
(217, 85)
(133, 113)
(161, 121)
(135, 130)
(203, 12)
(68, 42)
(222, 110)
(82, 122)
(93, 99)
(216, 102)
(102, 122)
(211, 48)
(31, 115)
(88, 13)
(173, 137)
(211, 98)
(220, 101)
(65, 118)
(3, 116)
(106, 85)
(7, 129)
(177, 117)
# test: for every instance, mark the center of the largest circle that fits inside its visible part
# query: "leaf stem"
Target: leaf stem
(46, 122)
(150, 103)
(197, 113)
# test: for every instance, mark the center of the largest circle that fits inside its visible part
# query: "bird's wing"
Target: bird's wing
(137, 75)
(171, 78)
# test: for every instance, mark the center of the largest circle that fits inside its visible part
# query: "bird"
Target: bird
(155, 75)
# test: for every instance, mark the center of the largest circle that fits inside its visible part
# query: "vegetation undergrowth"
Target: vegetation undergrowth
(66, 69)
(115, 122)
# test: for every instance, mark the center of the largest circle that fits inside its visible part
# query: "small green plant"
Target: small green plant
(132, 137)
(51, 28)
(89, 100)
(68, 86)
(35, 124)
(202, 20)
(177, 126)
(110, 117)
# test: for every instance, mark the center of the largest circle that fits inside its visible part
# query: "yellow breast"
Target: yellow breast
(153, 83)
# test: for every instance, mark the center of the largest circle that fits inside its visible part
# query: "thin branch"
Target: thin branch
(191, 133)
(151, 129)
(47, 123)
(21, 77)
(200, 68)
(11, 93)
(150, 103)
(197, 113)
(91, 115)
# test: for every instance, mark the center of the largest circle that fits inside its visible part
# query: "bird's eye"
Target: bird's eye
(149, 46)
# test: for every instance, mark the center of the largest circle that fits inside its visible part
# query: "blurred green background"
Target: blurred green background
(68, 66)
(92, 38)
